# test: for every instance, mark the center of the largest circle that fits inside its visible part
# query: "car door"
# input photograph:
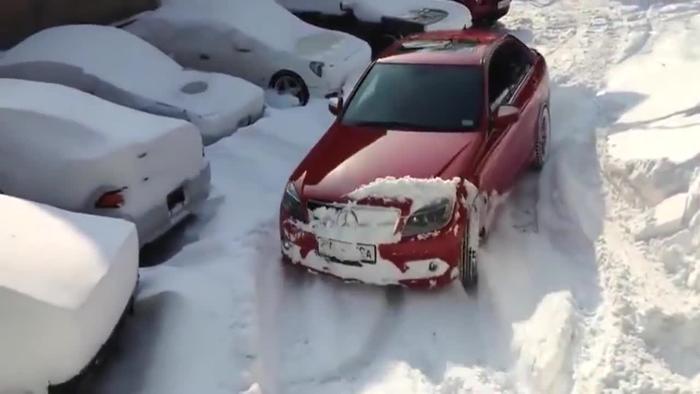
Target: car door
(509, 146)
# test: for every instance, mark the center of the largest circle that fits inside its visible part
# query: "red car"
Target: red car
(486, 12)
(400, 190)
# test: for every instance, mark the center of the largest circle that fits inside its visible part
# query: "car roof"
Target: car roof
(454, 47)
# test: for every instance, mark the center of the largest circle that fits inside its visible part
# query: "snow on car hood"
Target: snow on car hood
(65, 280)
(434, 14)
(347, 158)
(121, 67)
(60, 145)
(420, 192)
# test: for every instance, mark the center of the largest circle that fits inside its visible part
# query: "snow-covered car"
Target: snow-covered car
(120, 67)
(256, 40)
(66, 282)
(381, 22)
(75, 151)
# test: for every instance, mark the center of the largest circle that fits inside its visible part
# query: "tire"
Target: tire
(543, 140)
(288, 82)
(469, 261)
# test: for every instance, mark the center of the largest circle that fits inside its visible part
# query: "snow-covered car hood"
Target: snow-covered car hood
(60, 144)
(347, 158)
(65, 280)
(121, 67)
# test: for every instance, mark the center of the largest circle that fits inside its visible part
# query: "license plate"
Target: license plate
(176, 203)
(346, 251)
(503, 3)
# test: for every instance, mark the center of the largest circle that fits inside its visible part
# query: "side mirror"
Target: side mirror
(506, 115)
(335, 104)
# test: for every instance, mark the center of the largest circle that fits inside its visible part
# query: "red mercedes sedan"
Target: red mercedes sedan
(486, 12)
(402, 188)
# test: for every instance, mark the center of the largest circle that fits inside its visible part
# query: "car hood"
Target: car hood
(347, 158)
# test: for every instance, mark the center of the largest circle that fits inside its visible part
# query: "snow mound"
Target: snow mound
(65, 280)
(121, 67)
(545, 344)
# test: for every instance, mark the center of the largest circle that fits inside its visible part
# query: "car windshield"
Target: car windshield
(421, 97)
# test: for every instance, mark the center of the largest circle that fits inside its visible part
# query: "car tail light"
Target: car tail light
(111, 200)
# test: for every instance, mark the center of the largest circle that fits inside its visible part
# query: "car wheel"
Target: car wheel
(544, 140)
(287, 82)
(468, 268)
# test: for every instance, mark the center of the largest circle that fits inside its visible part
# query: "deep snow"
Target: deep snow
(569, 300)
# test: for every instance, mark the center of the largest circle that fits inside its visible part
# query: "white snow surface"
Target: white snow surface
(65, 280)
(121, 67)
(568, 300)
(61, 145)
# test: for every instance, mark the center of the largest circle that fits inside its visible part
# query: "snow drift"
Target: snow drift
(65, 281)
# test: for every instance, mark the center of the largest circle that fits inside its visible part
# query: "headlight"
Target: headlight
(291, 203)
(317, 68)
(429, 218)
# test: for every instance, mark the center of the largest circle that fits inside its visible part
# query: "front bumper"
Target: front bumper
(158, 220)
(421, 262)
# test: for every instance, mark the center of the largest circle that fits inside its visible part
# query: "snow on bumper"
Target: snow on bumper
(429, 261)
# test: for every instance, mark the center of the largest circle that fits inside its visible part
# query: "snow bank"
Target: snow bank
(120, 67)
(544, 344)
(61, 147)
(65, 280)
(655, 145)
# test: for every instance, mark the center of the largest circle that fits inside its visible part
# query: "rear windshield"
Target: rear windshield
(420, 97)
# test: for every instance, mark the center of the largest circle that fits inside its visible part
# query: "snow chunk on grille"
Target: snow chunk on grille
(419, 192)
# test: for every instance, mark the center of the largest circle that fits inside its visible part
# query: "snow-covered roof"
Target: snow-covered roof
(75, 112)
(55, 256)
(264, 20)
(125, 61)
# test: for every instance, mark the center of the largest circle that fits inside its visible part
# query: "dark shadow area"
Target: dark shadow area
(128, 364)
(185, 233)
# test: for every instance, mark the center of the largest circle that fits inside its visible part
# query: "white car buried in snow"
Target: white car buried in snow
(66, 281)
(381, 22)
(120, 67)
(256, 40)
(75, 151)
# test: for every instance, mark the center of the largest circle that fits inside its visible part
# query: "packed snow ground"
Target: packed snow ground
(575, 294)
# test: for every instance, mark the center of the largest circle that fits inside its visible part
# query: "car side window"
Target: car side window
(508, 66)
